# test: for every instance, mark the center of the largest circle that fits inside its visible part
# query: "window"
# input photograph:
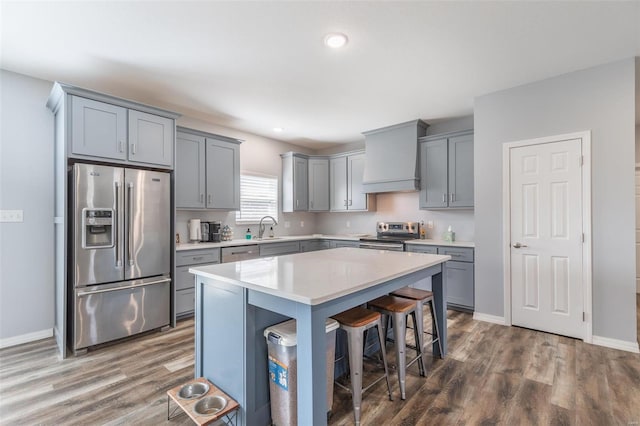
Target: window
(258, 198)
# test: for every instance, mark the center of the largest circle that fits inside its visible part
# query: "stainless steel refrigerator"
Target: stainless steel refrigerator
(120, 254)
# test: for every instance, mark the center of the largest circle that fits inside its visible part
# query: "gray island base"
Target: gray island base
(236, 301)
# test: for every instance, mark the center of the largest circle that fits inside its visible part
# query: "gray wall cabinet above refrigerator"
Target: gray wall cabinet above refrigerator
(207, 171)
(446, 169)
(108, 129)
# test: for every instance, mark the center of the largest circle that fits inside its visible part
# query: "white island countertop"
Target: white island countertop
(320, 276)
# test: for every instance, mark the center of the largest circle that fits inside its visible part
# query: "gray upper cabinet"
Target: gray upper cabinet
(295, 182)
(318, 184)
(223, 174)
(190, 171)
(345, 182)
(446, 168)
(116, 131)
(98, 129)
(150, 138)
(207, 171)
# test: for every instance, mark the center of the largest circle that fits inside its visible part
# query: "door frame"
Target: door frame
(585, 137)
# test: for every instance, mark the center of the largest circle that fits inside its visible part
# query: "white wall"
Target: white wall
(26, 183)
(599, 99)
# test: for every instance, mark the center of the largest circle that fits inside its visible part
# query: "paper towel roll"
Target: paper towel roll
(194, 230)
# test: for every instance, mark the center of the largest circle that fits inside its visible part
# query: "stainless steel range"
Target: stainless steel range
(391, 236)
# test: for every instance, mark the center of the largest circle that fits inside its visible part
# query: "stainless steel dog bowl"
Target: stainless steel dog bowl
(210, 405)
(193, 390)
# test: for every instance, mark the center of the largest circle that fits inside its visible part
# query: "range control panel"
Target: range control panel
(394, 228)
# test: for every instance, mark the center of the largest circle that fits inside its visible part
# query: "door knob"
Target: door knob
(518, 245)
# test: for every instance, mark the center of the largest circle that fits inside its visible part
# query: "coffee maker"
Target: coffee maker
(214, 232)
(204, 231)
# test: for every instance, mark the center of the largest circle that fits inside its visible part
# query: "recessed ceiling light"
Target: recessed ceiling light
(335, 40)
(278, 129)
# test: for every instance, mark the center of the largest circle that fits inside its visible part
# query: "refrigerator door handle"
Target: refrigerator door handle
(129, 222)
(116, 224)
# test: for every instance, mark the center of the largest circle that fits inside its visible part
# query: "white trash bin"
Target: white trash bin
(283, 378)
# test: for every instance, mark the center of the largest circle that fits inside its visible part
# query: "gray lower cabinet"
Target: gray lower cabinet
(113, 132)
(277, 249)
(446, 171)
(314, 245)
(459, 272)
(184, 281)
(207, 171)
(344, 243)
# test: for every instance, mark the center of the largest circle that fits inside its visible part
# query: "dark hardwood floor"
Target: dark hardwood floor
(493, 375)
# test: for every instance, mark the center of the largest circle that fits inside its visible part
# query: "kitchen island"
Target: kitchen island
(236, 301)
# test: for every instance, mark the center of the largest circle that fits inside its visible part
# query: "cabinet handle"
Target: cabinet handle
(133, 149)
(197, 258)
(209, 198)
(444, 198)
(120, 146)
(350, 202)
(311, 202)
(297, 203)
(345, 203)
(201, 198)
(452, 197)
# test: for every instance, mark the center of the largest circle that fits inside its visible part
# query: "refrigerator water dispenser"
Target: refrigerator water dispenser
(97, 228)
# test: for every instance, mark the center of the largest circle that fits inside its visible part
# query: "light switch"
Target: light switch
(430, 224)
(11, 216)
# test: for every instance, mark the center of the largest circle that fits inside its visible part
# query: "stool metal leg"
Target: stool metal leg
(434, 326)
(419, 339)
(354, 344)
(381, 336)
(399, 332)
(418, 320)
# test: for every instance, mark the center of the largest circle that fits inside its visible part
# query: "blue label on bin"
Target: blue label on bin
(278, 373)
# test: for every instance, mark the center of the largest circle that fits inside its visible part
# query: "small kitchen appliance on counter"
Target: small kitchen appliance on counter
(391, 236)
(214, 232)
(195, 230)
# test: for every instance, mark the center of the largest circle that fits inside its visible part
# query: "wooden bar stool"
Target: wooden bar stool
(398, 309)
(355, 322)
(422, 297)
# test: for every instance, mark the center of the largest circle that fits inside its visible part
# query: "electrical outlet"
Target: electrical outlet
(430, 224)
(302, 224)
(287, 224)
(348, 224)
(11, 216)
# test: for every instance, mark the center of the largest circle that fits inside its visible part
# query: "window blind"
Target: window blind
(258, 198)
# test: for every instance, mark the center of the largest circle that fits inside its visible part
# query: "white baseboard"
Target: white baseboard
(622, 345)
(488, 318)
(25, 338)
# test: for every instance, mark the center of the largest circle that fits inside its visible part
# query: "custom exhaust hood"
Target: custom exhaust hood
(391, 158)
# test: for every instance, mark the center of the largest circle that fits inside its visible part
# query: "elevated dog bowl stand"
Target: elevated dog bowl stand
(228, 414)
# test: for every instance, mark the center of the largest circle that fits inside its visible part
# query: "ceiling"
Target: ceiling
(254, 66)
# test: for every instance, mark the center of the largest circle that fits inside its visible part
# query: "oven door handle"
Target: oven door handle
(382, 246)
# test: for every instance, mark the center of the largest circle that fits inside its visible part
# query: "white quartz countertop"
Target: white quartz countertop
(283, 239)
(443, 243)
(317, 277)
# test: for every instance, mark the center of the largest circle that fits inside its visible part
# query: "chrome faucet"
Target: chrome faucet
(261, 226)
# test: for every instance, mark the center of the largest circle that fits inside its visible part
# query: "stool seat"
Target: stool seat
(357, 317)
(413, 293)
(392, 304)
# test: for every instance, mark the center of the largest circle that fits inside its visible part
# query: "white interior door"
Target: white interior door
(546, 237)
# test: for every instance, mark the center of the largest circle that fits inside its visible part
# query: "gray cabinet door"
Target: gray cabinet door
(357, 198)
(433, 174)
(190, 171)
(338, 183)
(222, 175)
(300, 184)
(151, 138)
(461, 171)
(277, 249)
(459, 279)
(98, 129)
(318, 184)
